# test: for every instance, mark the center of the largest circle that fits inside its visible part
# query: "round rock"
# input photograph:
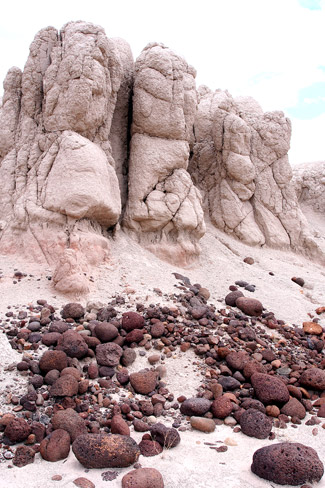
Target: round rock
(203, 424)
(132, 320)
(166, 436)
(255, 423)
(73, 311)
(232, 297)
(53, 360)
(108, 354)
(143, 478)
(70, 421)
(106, 331)
(73, 344)
(221, 407)
(17, 430)
(313, 378)
(144, 381)
(66, 385)
(250, 306)
(269, 389)
(195, 406)
(150, 448)
(55, 446)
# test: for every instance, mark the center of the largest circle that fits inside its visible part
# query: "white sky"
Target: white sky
(272, 50)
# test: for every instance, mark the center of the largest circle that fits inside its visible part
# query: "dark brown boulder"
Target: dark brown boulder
(313, 378)
(195, 406)
(119, 426)
(58, 326)
(237, 359)
(106, 331)
(132, 320)
(73, 311)
(288, 464)
(108, 354)
(255, 424)
(144, 381)
(157, 330)
(105, 450)
(24, 455)
(51, 338)
(270, 389)
(232, 297)
(53, 360)
(55, 446)
(136, 335)
(221, 407)
(128, 357)
(143, 478)
(73, 344)
(166, 436)
(250, 306)
(66, 385)
(150, 448)
(294, 408)
(17, 430)
(70, 421)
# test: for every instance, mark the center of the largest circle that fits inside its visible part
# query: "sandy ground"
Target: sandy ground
(135, 273)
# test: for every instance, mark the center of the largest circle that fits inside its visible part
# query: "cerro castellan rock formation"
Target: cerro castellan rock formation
(91, 142)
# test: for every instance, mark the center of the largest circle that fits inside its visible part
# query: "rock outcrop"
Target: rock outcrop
(309, 181)
(164, 207)
(60, 187)
(240, 164)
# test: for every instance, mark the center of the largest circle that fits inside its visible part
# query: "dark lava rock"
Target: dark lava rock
(232, 297)
(105, 450)
(128, 357)
(106, 314)
(250, 306)
(221, 407)
(108, 354)
(313, 378)
(251, 403)
(66, 385)
(228, 383)
(36, 380)
(140, 426)
(53, 360)
(294, 409)
(269, 389)
(55, 446)
(73, 311)
(122, 376)
(167, 437)
(51, 338)
(253, 367)
(241, 283)
(143, 478)
(195, 406)
(198, 312)
(58, 326)
(136, 335)
(157, 330)
(17, 430)
(255, 423)
(287, 464)
(24, 455)
(268, 355)
(237, 360)
(119, 426)
(144, 381)
(52, 376)
(299, 281)
(132, 320)
(106, 332)
(70, 421)
(249, 260)
(150, 448)
(73, 344)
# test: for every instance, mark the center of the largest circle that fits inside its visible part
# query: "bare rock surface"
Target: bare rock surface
(309, 183)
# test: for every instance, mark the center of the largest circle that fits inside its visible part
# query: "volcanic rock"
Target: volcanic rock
(232, 297)
(119, 426)
(70, 421)
(313, 378)
(132, 320)
(150, 448)
(73, 311)
(294, 409)
(17, 430)
(312, 328)
(255, 423)
(106, 331)
(143, 478)
(203, 424)
(73, 344)
(53, 360)
(144, 381)
(55, 446)
(167, 437)
(128, 357)
(250, 306)
(105, 450)
(157, 330)
(269, 389)
(221, 407)
(136, 335)
(237, 359)
(66, 385)
(287, 464)
(108, 354)
(195, 406)
(24, 455)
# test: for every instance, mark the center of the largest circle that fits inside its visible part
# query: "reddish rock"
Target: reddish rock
(105, 450)
(72, 371)
(53, 360)
(252, 367)
(313, 378)
(250, 306)
(255, 424)
(269, 389)
(58, 326)
(299, 281)
(38, 430)
(70, 421)
(73, 311)
(73, 344)
(132, 320)
(119, 426)
(195, 406)
(51, 376)
(202, 424)
(320, 310)
(65, 386)
(321, 411)
(166, 436)
(157, 330)
(24, 455)
(252, 403)
(232, 297)
(17, 430)
(312, 328)
(51, 338)
(122, 376)
(249, 260)
(83, 483)
(150, 448)
(128, 357)
(237, 360)
(106, 331)
(55, 446)
(136, 335)
(93, 371)
(144, 381)
(108, 354)
(287, 464)
(293, 408)
(221, 407)
(143, 478)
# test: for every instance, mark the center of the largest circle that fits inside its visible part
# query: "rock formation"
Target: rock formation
(240, 164)
(164, 207)
(61, 190)
(89, 139)
(309, 181)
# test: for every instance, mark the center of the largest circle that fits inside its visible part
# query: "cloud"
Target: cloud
(311, 4)
(307, 142)
(311, 102)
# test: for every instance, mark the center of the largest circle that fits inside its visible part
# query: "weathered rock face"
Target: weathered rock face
(309, 182)
(61, 191)
(164, 207)
(240, 164)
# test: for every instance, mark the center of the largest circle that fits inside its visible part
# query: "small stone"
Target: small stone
(73, 311)
(53, 360)
(249, 260)
(83, 483)
(119, 426)
(65, 386)
(17, 430)
(56, 477)
(150, 448)
(144, 381)
(221, 407)
(269, 389)
(108, 354)
(312, 328)
(167, 437)
(272, 411)
(299, 281)
(24, 455)
(294, 408)
(143, 478)
(154, 358)
(106, 331)
(203, 424)
(70, 421)
(313, 378)
(195, 406)
(132, 320)
(157, 330)
(232, 297)
(73, 344)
